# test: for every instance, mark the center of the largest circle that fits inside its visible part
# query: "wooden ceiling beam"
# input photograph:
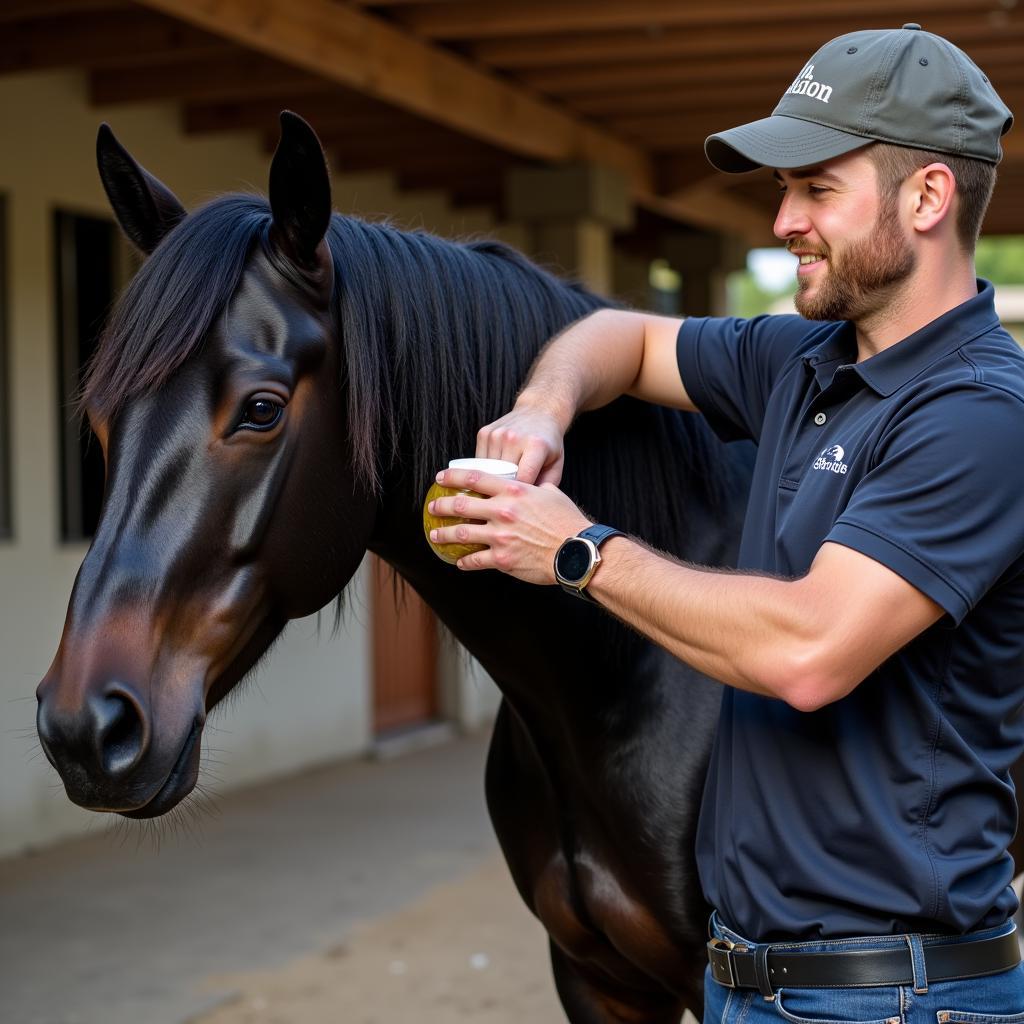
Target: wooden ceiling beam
(205, 117)
(362, 52)
(333, 106)
(107, 39)
(622, 103)
(423, 162)
(758, 99)
(457, 21)
(237, 76)
(686, 168)
(706, 73)
(390, 3)
(717, 211)
(701, 74)
(760, 33)
(691, 125)
(1013, 150)
(21, 10)
(401, 144)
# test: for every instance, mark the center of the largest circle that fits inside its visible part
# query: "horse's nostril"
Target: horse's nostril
(120, 732)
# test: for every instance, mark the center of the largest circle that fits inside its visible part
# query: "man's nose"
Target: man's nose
(791, 220)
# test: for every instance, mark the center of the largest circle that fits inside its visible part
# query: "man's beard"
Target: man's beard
(859, 281)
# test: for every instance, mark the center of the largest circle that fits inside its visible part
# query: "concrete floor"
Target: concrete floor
(111, 930)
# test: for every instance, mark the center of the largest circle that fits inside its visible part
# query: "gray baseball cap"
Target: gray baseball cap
(902, 85)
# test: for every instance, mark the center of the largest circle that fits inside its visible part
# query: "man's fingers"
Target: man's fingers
(532, 461)
(489, 440)
(483, 441)
(477, 560)
(552, 474)
(462, 533)
(461, 506)
(471, 480)
(494, 442)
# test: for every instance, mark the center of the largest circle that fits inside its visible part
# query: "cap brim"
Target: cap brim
(778, 141)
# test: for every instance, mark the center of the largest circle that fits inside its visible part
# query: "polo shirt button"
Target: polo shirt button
(820, 418)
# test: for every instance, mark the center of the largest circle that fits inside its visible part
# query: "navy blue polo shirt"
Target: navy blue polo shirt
(889, 810)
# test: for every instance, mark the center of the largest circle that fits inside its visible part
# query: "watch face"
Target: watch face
(573, 560)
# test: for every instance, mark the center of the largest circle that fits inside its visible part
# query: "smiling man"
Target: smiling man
(858, 805)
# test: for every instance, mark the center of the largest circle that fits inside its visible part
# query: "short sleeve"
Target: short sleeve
(729, 366)
(943, 504)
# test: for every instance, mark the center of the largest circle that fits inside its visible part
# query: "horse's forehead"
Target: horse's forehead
(264, 316)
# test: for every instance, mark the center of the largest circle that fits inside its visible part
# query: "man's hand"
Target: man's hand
(529, 436)
(522, 525)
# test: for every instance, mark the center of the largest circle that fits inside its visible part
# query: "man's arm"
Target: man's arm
(599, 358)
(808, 641)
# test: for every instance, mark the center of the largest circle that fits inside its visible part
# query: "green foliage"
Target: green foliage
(1001, 260)
(747, 298)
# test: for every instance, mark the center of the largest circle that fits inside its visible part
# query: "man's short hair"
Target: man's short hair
(975, 180)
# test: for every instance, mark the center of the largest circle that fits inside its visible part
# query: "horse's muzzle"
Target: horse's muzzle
(101, 747)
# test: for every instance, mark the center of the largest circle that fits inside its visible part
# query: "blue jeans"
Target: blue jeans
(995, 999)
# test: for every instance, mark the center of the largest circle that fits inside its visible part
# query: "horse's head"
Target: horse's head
(230, 501)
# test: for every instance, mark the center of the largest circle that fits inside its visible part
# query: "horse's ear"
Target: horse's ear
(145, 208)
(300, 192)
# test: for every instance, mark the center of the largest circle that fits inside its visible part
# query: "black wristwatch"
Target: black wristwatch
(577, 559)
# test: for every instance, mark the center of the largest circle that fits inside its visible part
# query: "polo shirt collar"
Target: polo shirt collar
(893, 367)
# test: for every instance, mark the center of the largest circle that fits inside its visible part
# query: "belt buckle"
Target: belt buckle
(720, 957)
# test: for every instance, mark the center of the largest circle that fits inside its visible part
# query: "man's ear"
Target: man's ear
(145, 208)
(934, 194)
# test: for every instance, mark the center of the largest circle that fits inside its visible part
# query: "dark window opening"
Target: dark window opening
(92, 265)
(5, 453)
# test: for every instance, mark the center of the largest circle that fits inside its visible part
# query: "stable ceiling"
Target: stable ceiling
(450, 92)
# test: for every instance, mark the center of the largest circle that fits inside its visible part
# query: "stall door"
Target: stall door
(404, 655)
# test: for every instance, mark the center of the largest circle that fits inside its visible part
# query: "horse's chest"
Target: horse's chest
(591, 916)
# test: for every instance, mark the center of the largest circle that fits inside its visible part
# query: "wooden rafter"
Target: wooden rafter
(408, 143)
(103, 38)
(456, 21)
(760, 34)
(345, 46)
(17, 10)
(703, 74)
(1013, 148)
(239, 75)
(754, 99)
(331, 107)
(351, 48)
(680, 170)
(1001, 60)
(753, 96)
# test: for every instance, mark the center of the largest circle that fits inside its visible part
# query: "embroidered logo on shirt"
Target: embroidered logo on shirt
(831, 460)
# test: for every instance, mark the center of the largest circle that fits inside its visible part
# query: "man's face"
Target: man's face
(853, 249)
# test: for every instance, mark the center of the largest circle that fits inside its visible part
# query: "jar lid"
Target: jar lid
(496, 467)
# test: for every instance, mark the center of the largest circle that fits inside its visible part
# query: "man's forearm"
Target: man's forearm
(587, 366)
(757, 633)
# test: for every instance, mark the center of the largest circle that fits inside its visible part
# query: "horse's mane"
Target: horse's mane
(438, 337)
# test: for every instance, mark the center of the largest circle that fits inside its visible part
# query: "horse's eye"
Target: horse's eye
(261, 414)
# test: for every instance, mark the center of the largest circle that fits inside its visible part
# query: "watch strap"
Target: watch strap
(597, 535)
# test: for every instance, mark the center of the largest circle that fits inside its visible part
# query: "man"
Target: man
(858, 798)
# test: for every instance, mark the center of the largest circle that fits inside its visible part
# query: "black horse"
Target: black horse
(273, 393)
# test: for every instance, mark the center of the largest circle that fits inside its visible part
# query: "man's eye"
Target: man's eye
(815, 189)
(261, 414)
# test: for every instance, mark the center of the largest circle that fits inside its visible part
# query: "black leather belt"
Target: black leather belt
(739, 966)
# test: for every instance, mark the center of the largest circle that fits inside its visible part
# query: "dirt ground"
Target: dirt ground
(468, 950)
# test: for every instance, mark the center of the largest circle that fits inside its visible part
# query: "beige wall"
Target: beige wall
(311, 700)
